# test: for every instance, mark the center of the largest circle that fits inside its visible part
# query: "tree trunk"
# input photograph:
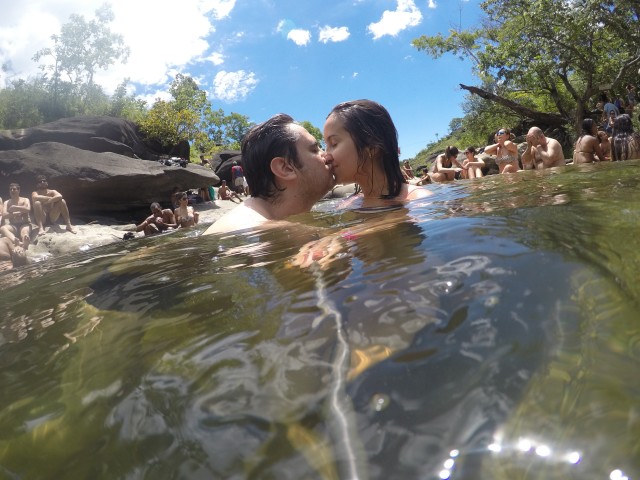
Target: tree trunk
(542, 118)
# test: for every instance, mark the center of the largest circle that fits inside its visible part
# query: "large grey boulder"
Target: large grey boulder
(93, 162)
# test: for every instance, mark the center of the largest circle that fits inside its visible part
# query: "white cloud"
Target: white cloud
(393, 22)
(216, 58)
(234, 86)
(333, 34)
(299, 37)
(433, 4)
(149, 28)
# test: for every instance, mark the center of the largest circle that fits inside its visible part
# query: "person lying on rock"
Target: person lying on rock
(159, 221)
(49, 206)
(11, 255)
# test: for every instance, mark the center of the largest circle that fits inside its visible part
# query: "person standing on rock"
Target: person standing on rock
(49, 206)
(17, 222)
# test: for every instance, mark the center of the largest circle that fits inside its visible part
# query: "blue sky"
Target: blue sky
(261, 57)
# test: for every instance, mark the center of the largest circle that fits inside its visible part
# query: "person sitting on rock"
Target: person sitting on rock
(185, 216)
(11, 253)
(17, 222)
(159, 221)
(225, 193)
(49, 206)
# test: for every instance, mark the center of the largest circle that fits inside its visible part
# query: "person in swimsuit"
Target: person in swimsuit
(605, 144)
(17, 227)
(159, 221)
(587, 147)
(49, 206)
(225, 193)
(362, 147)
(287, 174)
(505, 150)
(471, 164)
(185, 216)
(445, 168)
(542, 152)
(625, 144)
(11, 255)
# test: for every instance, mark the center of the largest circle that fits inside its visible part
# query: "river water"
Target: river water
(491, 331)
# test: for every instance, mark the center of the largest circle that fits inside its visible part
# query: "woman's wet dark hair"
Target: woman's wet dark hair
(587, 126)
(451, 151)
(621, 137)
(370, 126)
(267, 140)
(470, 150)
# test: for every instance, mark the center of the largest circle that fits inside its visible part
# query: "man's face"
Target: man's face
(157, 211)
(14, 191)
(42, 184)
(314, 171)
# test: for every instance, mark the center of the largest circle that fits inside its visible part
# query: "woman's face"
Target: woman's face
(341, 153)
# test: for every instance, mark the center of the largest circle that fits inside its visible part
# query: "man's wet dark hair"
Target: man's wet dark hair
(265, 141)
(370, 126)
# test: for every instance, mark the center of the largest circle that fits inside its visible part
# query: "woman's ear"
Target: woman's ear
(282, 169)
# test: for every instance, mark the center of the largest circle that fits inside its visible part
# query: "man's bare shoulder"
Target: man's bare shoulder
(240, 218)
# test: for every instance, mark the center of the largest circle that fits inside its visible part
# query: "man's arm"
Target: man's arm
(23, 206)
(528, 157)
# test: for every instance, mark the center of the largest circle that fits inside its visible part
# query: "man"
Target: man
(541, 152)
(225, 193)
(48, 206)
(17, 226)
(11, 253)
(286, 172)
(159, 221)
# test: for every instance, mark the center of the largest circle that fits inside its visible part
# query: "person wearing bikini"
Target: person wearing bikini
(185, 216)
(505, 150)
(587, 148)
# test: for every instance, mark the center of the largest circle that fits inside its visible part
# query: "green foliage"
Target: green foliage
(80, 49)
(549, 55)
(314, 131)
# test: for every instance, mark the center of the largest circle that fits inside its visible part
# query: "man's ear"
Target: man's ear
(282, 169)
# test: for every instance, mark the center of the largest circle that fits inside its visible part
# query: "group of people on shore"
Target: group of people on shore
(541, 151)
(16, 228)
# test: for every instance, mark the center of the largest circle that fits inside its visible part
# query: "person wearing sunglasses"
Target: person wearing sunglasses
(505, 150)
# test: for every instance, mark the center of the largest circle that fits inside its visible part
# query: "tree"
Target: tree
(547, 59)
(80, 49)
(314, 131)
(221, 131)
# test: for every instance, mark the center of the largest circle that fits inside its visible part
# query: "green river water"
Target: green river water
(491, 331)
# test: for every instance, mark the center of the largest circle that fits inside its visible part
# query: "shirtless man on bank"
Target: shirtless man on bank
(17, 227)
(542, 152)
(49, 206)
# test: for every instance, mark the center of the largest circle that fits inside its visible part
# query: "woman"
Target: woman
(505, 150)
(587, 146)
(471, 164)
(605, 145)
(445, 168)
(362, 147)
(625, 145)
(185, 216)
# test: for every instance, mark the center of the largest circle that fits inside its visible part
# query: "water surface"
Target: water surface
(490, 331)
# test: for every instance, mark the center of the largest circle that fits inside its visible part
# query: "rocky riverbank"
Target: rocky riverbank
(57, 241)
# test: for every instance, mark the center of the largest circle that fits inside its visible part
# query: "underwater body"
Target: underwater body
(489, 331)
